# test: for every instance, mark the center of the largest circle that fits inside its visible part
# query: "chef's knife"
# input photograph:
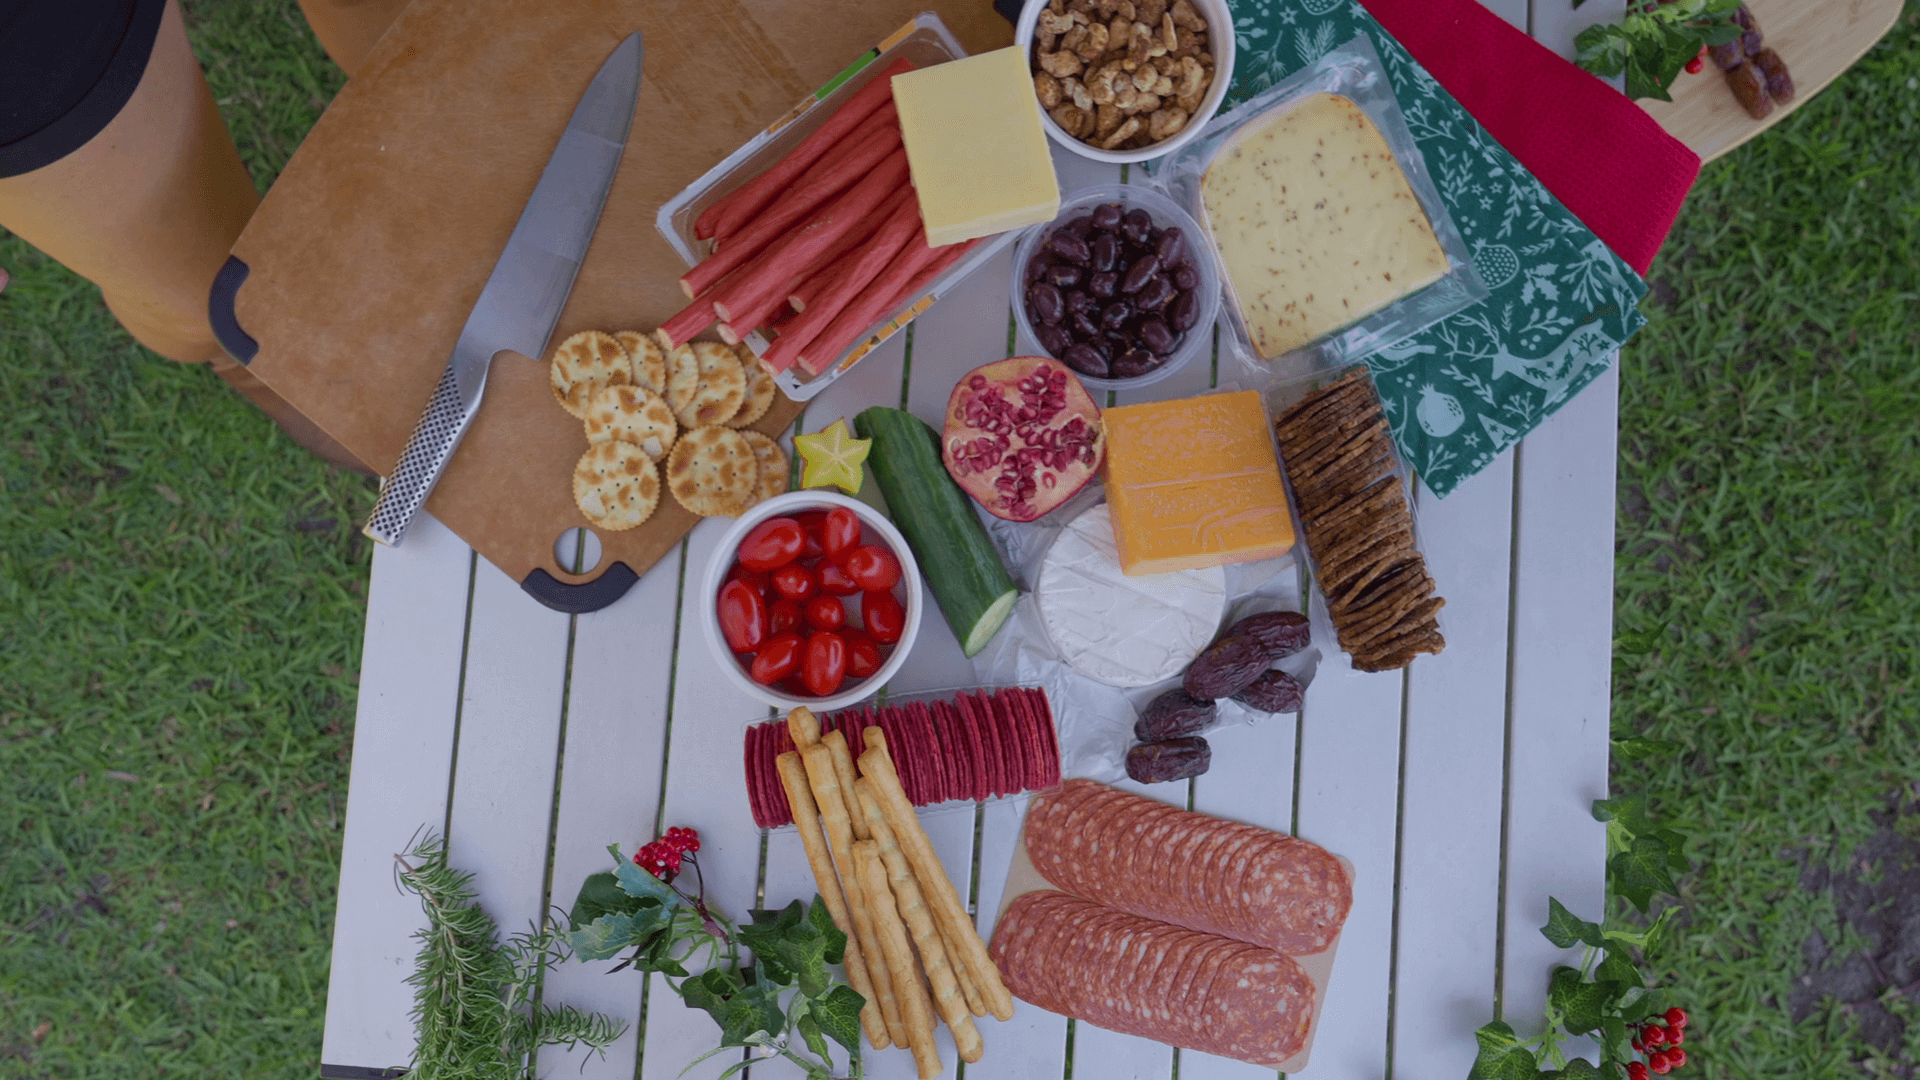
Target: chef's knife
(522, 299)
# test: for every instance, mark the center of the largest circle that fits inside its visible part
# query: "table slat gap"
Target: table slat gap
(459, 696)
(1506, 758)
(673, 676)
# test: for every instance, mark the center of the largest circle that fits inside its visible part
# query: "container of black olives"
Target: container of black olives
(1120, 287)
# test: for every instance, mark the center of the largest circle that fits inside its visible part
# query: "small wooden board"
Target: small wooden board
(1818, 39)
(1024, 877)
(358, 271)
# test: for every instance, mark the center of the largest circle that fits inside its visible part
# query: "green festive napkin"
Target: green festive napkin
(1561, 302)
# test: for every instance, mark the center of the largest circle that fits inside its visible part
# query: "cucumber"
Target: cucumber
(958, 558)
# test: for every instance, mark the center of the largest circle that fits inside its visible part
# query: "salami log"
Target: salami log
(1141, 977)
(1221, 877)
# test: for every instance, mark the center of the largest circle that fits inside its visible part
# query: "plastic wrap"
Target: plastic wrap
(1352, 71)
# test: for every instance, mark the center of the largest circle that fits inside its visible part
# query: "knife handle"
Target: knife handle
(432, 443)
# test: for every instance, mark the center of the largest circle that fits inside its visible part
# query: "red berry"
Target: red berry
(1636, 1071)
(1676, 1058)
(1695, 66)
(1659, 1063)
(1638, 1046)
(1653, 1035)
(1676, 1036)
(1677, 1016)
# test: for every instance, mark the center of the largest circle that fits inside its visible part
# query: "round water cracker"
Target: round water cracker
(648, 362)
(773, 464)
(712, 472)
(760, 389)
(616, 485)
(631, 414)
(705, 384)
(583, 363)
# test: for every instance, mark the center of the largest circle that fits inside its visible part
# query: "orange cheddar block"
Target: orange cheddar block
(1194, 483)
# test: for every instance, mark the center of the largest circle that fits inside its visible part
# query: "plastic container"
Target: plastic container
(925, 41)
(1352, 71)
(1165, 213)
(876, 529)
(1220, 42)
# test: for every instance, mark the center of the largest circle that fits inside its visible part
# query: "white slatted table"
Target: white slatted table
(1459, 788)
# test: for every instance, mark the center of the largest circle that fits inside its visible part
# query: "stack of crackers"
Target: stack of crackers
(1337, 450)
(644, 407)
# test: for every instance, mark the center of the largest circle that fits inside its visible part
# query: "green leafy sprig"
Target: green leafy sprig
(1607, 994)
(786, 1001)
(475, 999)
(1654, 42)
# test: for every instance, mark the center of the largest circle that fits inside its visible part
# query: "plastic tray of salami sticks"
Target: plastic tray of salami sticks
(957, 746)
(924, 42)
(1352, 497)
(1235, 929)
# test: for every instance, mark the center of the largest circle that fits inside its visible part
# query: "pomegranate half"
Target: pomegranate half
(1022, 436)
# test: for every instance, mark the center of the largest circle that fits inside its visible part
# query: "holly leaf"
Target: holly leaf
(600, 894)
(638, 883)
(1564, 928)
(1501, 1056)
(1641, 870)
(603, 938)
(1581, 1003)
(838, 1014)
(1640, 747)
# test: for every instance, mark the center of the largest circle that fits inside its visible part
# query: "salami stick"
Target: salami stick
(833, 811)
(806, 817)
(906, 978)
(877, 765)
(948, 1000)
(836, 744)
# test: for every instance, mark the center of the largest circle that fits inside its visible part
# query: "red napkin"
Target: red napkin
(1607, 160)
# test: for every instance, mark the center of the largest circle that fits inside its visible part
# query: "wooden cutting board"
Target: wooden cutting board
(1818, 39)
(349, 286)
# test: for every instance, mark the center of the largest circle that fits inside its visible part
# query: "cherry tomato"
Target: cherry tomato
(743, 616)
(779, 658)
(773, 543)
(812, 521)
(863, 655)
(823, 663)
(826, 613)
(886, 620)
(840, 532)
(834, 580)
(783, 615)
(741, 573)
(795, 582)
(873, 567)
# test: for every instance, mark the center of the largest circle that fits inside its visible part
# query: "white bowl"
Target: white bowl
(1166, 214)
(876, 529)
(1220, 41)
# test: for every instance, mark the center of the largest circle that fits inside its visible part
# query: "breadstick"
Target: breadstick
(877, 765)
(803, 726)
(948, 1000)
(806, 817)
(836, 742)
(893, 939)
(964, 977)
(833, 811)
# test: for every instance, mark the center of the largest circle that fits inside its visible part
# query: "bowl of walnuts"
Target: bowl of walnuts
(1127, 80)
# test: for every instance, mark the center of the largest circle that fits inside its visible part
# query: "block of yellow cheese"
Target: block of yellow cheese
(979, 158)
(1194, 483)
(1316, 223)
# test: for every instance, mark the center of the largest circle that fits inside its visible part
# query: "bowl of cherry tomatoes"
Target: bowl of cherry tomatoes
(812, 599)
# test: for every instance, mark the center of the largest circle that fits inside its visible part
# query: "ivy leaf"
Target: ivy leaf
(1564, 928)
(1629, 811)
(1675, 860)
(1581, 1003)
(1501, 1056)
(838, 1014)
(709, 991)
(1639, 642)
(1641, 870)
(638, 883)
(600, 895)
(1579, 1069)
(822, 920)
(1617, 968)
(1640, 747)
(1616, 1044)
(791, 947)
(752, 1010)
(1638, 1009)
(810, 1031)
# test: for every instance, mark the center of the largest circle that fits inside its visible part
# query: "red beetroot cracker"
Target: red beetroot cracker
(774, 742)
(1050, 744)
(927, 751)
(942, 754)
(1046, 763)
(990, 754)
(921, 752)
(887, 719)
(768, 812)
(750, 762)
(952, 732)
(1014, 738)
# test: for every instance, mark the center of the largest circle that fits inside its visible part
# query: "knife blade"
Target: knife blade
(522, 298)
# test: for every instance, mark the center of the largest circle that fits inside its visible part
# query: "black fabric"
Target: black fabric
(67, 68)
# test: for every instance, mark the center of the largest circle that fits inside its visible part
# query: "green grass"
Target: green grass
(181, 596)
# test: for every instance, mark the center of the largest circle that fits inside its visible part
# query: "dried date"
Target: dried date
(1225, 666)
(1173, 715)
(1282, 633)
(1272, 691)
(1169, 759)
